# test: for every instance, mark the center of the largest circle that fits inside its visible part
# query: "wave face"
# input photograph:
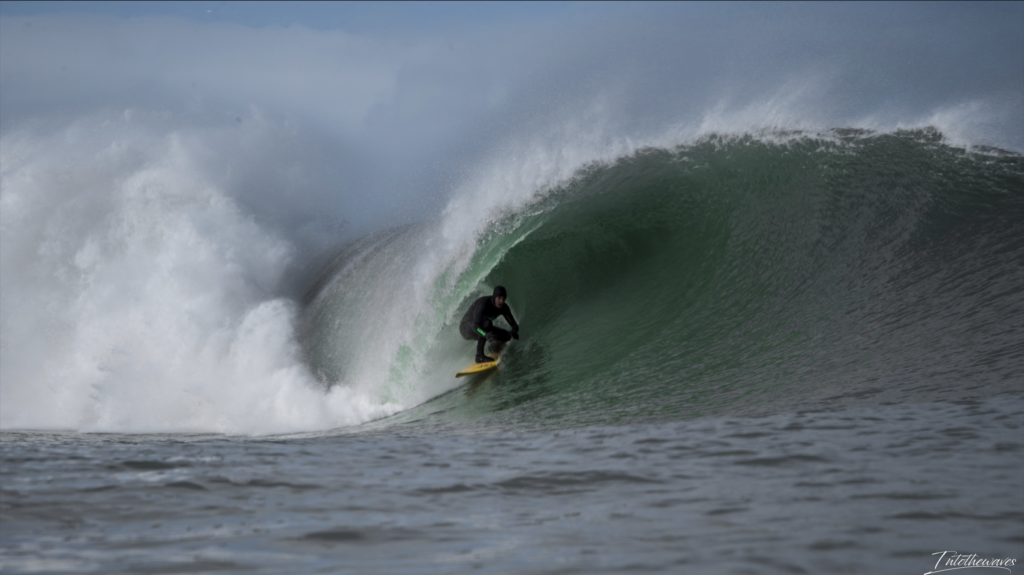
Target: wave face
(732, 275)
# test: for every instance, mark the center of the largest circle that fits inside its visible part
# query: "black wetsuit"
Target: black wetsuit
(480, 317)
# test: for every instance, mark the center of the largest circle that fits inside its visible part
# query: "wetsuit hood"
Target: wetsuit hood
(499, 291)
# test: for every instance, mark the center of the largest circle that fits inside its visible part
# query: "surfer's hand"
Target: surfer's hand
(515, 334)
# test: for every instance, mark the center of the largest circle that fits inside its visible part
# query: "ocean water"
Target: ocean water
(874, 489)
(750, 352)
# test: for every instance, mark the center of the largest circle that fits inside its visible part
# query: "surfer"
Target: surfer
(478, 322)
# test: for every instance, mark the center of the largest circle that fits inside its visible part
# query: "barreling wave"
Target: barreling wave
(736, 274)
(730, 274)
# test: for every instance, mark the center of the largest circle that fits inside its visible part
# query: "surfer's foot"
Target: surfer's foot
(483, 359)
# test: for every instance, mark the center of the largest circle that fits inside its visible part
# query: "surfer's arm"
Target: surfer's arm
(507, 314)
(480, 319)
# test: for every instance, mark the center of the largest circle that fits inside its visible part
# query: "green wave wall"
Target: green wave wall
(754, 274)
(740, 275)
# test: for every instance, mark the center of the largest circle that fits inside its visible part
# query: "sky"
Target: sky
(392, 106)
(348, 16)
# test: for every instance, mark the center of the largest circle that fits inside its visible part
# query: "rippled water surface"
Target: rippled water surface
(873, 489)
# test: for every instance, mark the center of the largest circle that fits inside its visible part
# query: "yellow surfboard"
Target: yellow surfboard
(481, 367)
